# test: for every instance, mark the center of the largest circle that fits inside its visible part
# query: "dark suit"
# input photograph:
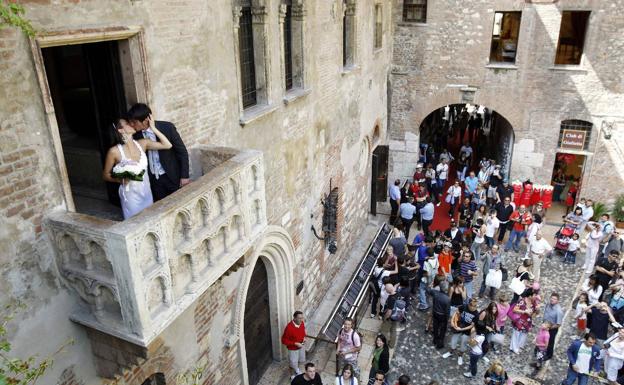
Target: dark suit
(174, 161)
(457, 240)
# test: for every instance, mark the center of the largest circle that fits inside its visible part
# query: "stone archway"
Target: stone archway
(444, 126)
(404, 154)
(277, 252)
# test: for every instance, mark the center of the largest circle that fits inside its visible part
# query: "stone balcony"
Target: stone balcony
(133, 278)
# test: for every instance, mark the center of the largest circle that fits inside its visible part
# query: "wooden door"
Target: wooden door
(258, 343)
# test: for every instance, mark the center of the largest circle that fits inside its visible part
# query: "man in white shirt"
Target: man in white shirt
(442, 172)
(538, 247)
(491, 225)
(466, 148)
(583, 357)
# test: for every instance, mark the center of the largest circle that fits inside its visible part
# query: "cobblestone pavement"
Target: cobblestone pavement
(416, 356)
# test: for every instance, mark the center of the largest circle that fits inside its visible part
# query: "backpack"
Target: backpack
(398, 310)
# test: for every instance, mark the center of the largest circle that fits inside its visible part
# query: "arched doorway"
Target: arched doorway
(258, 339)
(489, 133)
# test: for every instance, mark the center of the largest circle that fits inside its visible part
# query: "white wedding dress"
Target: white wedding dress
(135, 196)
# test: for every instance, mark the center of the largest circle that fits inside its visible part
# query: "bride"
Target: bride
(135, 196)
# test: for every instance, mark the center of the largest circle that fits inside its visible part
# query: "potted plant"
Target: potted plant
(599, 209)
(618, 211)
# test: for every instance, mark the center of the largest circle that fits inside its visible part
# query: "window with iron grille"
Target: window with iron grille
(505, 34)
(288, 62)
(577, 125)
(344, 41)
(378, 26)
(247, 62)
(415, 11)
(572, 37)
(349, 40)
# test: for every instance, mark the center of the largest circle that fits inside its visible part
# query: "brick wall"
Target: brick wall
(192, 74)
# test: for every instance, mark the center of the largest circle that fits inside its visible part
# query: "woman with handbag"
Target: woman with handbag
(521, 315)
(453, 195)
(492, 260)
(486, 325)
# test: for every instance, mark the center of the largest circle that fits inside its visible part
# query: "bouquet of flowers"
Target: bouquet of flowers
(128, 169)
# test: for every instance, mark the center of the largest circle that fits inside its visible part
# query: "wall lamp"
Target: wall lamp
(607, 129)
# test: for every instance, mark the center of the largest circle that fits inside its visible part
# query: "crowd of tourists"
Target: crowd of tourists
(456, 275)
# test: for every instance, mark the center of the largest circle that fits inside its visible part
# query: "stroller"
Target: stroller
(562, 237)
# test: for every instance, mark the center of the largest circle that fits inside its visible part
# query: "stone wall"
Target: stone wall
(326, 134)
(434, 60)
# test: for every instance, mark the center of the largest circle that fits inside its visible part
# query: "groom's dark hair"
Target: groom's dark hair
(139, 111)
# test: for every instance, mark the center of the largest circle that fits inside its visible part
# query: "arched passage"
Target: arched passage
(276, 252)
(489, 133)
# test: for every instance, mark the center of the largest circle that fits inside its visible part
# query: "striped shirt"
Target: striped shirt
(464, 267)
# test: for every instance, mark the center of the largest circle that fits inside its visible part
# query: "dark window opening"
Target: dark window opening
(572, 37)
(576, 125)
(378, 26)
(415, 11)
(87, 91)
(505, 37)
(247, 62)
(288, 67)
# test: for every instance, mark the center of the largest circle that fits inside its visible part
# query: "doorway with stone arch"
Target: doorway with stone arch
(490, 134)
(454, 127)
(265, 303)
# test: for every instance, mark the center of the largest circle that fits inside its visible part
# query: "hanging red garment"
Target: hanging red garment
(517, 187)
(566, 158)
(525, 198)
(547, 196)
(537, 195)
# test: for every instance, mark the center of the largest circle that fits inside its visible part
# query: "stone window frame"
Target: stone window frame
(504, 63)
(581, 60)
(262, 59)
(406, 4)
(349, 35)
(298, 13)
(378, 27)
(135, 76)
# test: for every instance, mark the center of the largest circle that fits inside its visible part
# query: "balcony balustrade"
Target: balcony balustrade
(133, 278)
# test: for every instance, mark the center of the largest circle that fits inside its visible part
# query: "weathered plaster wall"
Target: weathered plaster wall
(432, 61)
(324, 135)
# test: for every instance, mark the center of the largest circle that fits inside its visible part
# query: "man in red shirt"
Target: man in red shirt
(293, 338)
(521, 219)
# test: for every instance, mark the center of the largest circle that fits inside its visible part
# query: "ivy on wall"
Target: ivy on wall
(20, 371)
(12, 15)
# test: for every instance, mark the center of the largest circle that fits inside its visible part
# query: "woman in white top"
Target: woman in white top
(592, 287)
(615, 357)
(135, 196)
(453, 195)
(347, 377)
(479, 236)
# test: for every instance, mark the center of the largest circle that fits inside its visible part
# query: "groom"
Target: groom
(168, 169)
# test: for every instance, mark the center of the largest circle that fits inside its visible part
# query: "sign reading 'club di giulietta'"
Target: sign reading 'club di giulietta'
(573, 139)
